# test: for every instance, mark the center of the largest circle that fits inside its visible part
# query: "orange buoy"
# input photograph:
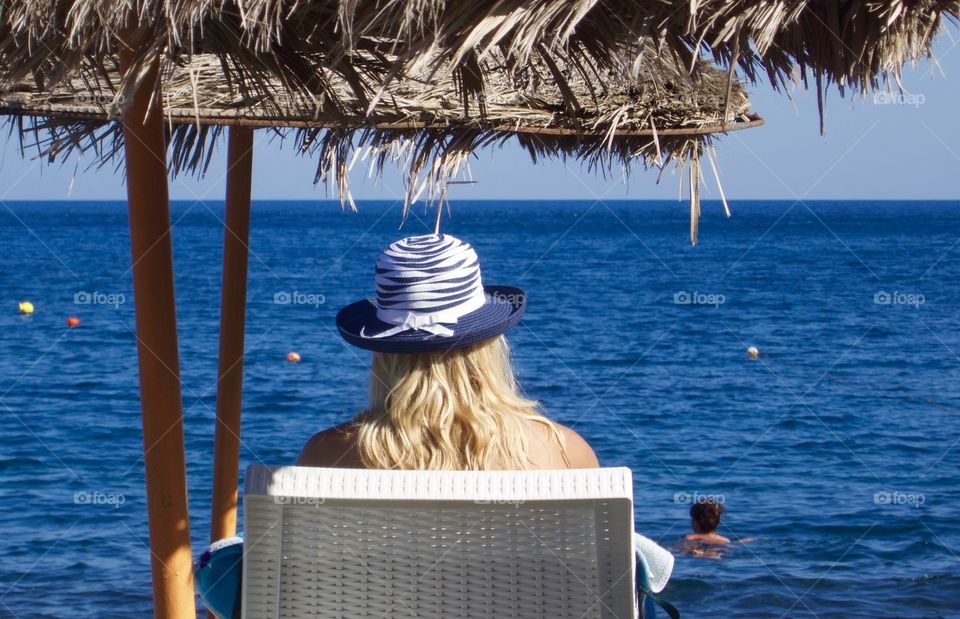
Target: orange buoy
(293, 357)
(73, 321)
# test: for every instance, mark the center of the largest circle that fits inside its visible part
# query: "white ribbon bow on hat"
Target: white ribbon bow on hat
(433, 323)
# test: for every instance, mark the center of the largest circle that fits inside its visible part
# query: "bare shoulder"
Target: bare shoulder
(580, 453)
(333, 447)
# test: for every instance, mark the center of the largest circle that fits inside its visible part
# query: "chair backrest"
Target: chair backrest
(358, 543)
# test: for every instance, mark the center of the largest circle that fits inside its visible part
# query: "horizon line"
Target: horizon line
(455, 200)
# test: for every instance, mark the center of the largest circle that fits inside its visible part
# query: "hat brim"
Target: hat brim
(503, 309)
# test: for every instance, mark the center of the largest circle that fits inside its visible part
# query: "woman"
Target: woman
(442, 390)
(705, 542)
(704, 520)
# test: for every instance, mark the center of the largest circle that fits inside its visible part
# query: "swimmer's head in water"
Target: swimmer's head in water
(705, 514)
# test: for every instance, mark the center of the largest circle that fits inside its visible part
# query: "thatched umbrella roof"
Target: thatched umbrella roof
(659, 114)
(430, 81)
(848, 42)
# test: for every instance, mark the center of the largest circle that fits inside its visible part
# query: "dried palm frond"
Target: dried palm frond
(301, 44)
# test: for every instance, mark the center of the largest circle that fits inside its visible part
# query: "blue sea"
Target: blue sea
(837, 450)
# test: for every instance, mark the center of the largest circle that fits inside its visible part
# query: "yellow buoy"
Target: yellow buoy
(26, 307)
(753, 352)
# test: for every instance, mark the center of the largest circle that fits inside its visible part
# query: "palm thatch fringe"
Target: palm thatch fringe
(417, 125)
(430, 159)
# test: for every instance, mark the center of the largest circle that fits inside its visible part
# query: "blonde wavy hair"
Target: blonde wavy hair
(453, 410)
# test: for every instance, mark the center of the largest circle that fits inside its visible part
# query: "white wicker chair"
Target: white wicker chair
(356, 543)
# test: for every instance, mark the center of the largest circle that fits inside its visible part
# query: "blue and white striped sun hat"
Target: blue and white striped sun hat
(430, 297)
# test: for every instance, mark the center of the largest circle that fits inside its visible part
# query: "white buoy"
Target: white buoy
(753, 352)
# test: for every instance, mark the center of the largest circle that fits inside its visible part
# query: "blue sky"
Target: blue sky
(874, 148)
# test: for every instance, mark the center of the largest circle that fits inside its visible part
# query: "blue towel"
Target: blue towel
(219, 575)
(648, 606)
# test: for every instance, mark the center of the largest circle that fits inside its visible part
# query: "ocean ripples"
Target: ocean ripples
(835, 451)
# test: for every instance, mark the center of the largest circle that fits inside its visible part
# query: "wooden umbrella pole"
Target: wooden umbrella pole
(157, 350)
(233, 302)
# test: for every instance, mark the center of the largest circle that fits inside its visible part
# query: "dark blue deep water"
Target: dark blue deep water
(837, 450)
